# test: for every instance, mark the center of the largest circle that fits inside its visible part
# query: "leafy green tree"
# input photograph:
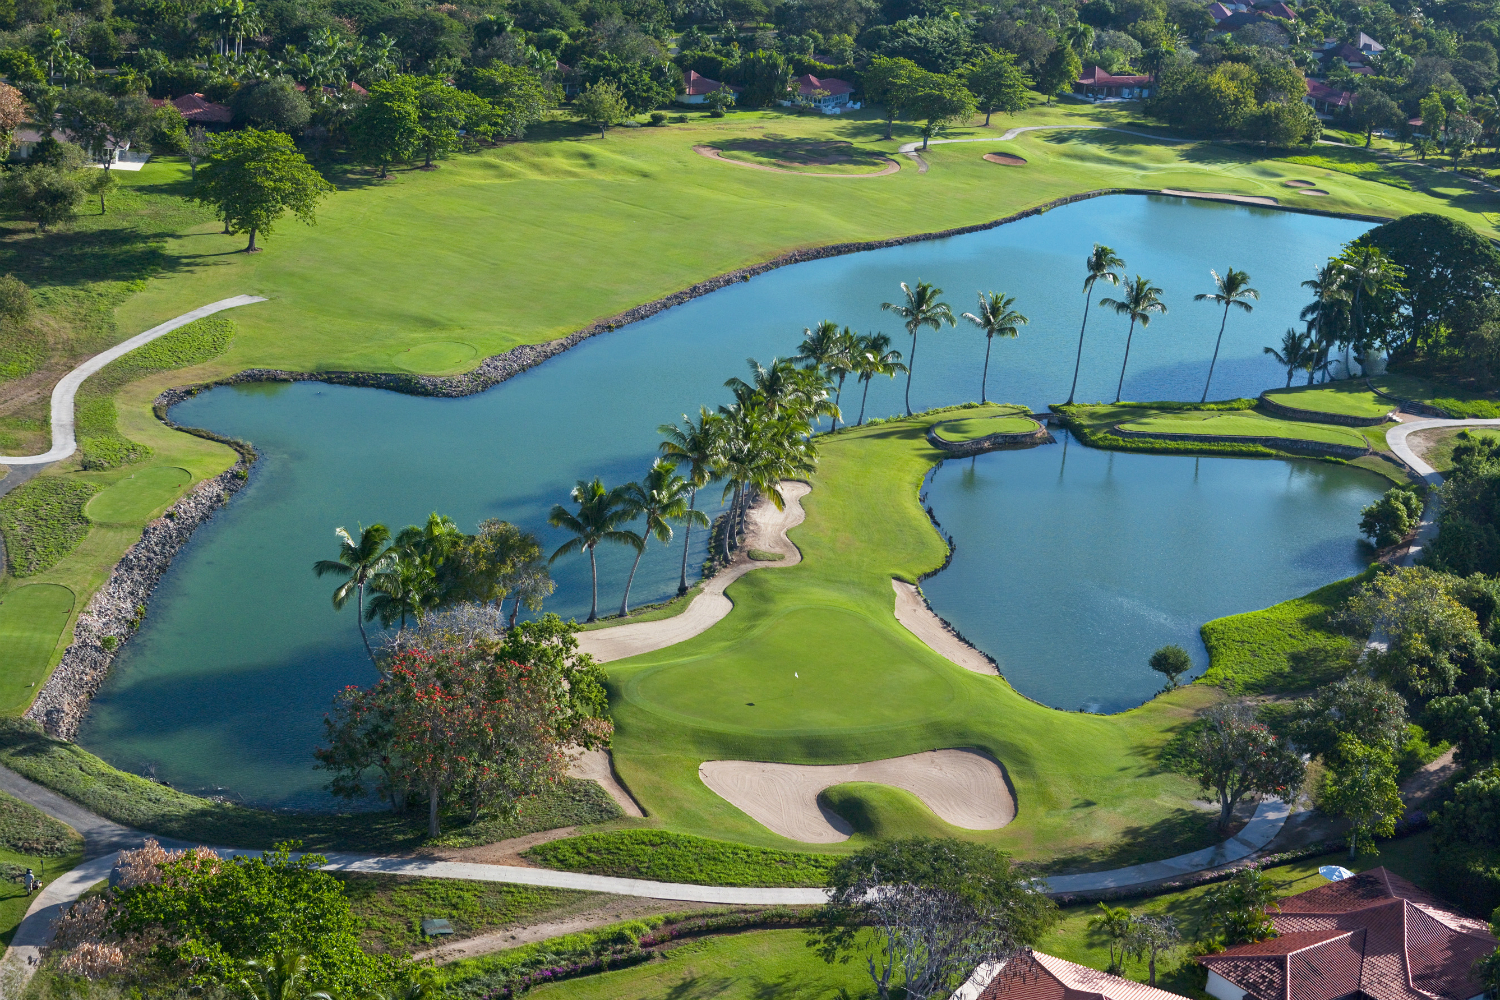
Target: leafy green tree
(645, 84)
(385, 129)
(874, 357)
(1430, 635)
(253, 178)
(1471, 817)
(1434, 114)
(697, 445)
(1374, 110)
(358, 562)
(1358, 706)
(600, 514)
(881, 82)
(1172, 662)
(1230, 289)
(601, 104)
(1236, 912)
(1232, 754)
(1391, 518)
(1149, 936)
(718, 100)
(921, 307)
(1059, 72)
(997, 84)
(101, 183)
(1142, 299)
(445, 114)
(274, 104)
(766, 77)
(1446, 264)
(1360, 786)
(48, 196)
(519, 96)
(937, 100)
(1102, 264)
(1112, 923)
(1282, 124)
(995, 318)
(1470, 721)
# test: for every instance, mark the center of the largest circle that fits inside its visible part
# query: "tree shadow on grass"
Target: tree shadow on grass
(69, 257)
(1180, 832)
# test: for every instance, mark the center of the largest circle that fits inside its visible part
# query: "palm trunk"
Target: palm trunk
(687, 533)
(862, 400)
(1128, 337)
(432, 810)
(985, 378)
(594, 568)
(359, 619)
(836, 399)
(1222, 323)
(1078, 362)
(910, 364)
(625, 601)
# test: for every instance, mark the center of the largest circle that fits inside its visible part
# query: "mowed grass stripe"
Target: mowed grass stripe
(32, 619)
(1244, 423)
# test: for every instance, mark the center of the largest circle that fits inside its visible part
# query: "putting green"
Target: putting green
(978, 427)
(440, 356)
(138, 496)
(1244, 423)
(32, 619)
(1347, 399)
(1088, 788)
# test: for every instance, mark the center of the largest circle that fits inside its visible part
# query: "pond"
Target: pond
(1073, 565)
(226, 684)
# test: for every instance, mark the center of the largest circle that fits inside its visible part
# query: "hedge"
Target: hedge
(675, 857)
(42, 521)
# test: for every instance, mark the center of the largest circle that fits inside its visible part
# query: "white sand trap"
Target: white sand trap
(595, 765)
(767, 530)
(964, 787)
(918, 618)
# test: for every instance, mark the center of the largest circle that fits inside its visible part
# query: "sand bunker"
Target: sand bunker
(918, 618)
(595, 765)
(1005, 159)
(1298, 184)
(1315, 192)
(1243, 199)
(963, 787)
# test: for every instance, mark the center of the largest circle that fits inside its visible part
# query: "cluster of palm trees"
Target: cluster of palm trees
(1141, 300)
(922, 305)
(427, 567)
(1356, 296)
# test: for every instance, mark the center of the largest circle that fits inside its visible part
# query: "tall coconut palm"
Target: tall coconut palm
(1141, 300)
(1102, 264)
(997, 319)
(697, 445)
(1233, 289)
(1328, 313)
(660, 498)
(875, 357)
(840, 365)
(358, 562)
(598, 520)
(818, 344)
(1364, 272)
(1293, 354)
(921, 308)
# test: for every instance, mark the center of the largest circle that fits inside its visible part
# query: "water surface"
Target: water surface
(227, 682)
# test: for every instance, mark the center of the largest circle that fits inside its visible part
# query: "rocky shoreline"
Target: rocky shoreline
(117, 609)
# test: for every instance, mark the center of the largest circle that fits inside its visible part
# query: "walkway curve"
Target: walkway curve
(1396, 437)
(714, 153)
(63, 442)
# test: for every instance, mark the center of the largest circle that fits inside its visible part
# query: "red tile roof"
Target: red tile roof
(1320, 91)
(698, 85)
(1282, 10)
(1096, 77)
(198, 110)
(807, 85)
(1375, 934)
(1036, 976)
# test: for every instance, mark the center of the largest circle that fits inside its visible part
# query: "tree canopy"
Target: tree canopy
(253, 178)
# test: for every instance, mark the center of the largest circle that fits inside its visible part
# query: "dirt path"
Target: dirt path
(715, 154)
(767, 531)
(918, 618)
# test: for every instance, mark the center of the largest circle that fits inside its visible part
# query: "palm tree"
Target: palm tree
(875, 357)
(358, 562)
(997, 319)
(1293, 353)
(920, 309)
(839, 366)
(1101, 265)
(1328, 312)
(830, 349)
(1367, 271)
(661, 497)
(598, 520)
(1233, 289)
(1141, 300)
(283, 975)
(698, 446)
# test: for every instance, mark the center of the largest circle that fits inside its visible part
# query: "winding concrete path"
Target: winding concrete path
(1396, 437)
(63, 441)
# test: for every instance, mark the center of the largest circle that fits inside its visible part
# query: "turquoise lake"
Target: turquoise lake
(225, 686)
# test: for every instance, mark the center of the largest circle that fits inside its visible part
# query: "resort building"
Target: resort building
(1035, 976)
(696, 87)
(828, 95)
(1327, 102)
(199, 110)
(1373, 936)
(1097, 85)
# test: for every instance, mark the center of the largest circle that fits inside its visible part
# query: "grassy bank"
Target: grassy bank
(1245, 423)
(978, 427)
(1456, 402)
(391, 908)
(1349, 398)
(669, 857)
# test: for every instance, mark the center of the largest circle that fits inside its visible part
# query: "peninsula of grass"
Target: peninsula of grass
(661, 856)
(1243, 423)
(1349, 398)
(1089, 790)
(977, 427)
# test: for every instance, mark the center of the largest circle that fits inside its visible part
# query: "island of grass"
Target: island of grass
(1243, 423)
(973, 428)
(1349, 398)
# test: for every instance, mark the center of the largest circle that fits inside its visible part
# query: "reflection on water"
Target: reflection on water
(1074, 565)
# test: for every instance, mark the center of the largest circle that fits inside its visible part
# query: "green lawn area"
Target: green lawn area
(1457, 402)
(29, 839)
(1437, 446)
(391, 908)
(806, 155)
(138, 496)
(977, 427)
(671, 857)
(32, 619)
(1347, 398)
(1089, 789)
(1243, 423)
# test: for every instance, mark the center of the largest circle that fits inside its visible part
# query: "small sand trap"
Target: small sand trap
(1243, 199)
(1315, 192)
(1298, 184)
(1005, 159)
(918, 618)
(963, 787)
(595, 765)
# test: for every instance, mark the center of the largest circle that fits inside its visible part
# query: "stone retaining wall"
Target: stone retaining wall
(1283, 444)
(990, 442)
(1319, 417)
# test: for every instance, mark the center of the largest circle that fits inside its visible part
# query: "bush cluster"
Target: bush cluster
(42, 521)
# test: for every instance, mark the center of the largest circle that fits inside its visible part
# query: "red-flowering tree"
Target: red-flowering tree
(1232, 755)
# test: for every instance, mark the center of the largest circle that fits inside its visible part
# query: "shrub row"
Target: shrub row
(675, 857)
(42, 521)
(1178, 406)
(25, 829)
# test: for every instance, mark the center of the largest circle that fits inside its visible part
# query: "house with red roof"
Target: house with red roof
(696, 87)
(1327, 102)
(1373, 936)
(199, 110)
(827, 94)
(1097, 85)
(1036, 976)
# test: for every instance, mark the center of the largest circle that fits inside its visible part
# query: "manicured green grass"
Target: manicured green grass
(32, 619)
(1347, 398)
(1358, 163)
(880, 812)
(978, 427)
(139, 496)
(13, 899)
(804, 155)
(753, 966)
(391, 908)
(761, 555)
(1088, 787)
(1245, 423)
(42, 521)
(649, 612)
(1248, 652)
(671, 857)
(1457, 402)
(1438, 445)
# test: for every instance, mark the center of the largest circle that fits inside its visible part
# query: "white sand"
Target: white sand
(963, 787)
(767, 531)
(918, 618)
(594, 765)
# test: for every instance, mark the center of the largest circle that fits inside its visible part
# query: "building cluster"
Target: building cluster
(826, 94)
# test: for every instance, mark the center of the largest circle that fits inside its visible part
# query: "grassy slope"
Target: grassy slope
(1350, 398)
(978, 427)
(1245, 423)
(1457, 402)
(1088, 788)
(391, 908)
